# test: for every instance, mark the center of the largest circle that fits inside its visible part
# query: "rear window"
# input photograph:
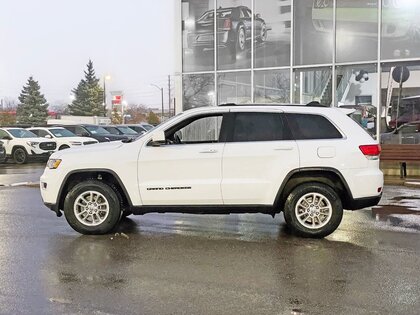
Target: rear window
(309, 126)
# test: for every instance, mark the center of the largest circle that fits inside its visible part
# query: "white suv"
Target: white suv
(309, 162)
(64, 138)
(22, 145)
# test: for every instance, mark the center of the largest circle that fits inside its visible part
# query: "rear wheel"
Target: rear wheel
(92, 207)
(20, 156)
(313, 210)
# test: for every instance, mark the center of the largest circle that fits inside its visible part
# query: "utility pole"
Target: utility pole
(169, 95)
(161, 92)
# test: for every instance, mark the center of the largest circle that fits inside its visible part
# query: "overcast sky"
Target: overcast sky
(52, 40)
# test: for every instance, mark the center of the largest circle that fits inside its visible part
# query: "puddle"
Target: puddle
(383, 213)
(397, 216)
(400, 198)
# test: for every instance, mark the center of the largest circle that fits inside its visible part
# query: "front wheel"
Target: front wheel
(313, 210)
(20, 156)
(92, 207)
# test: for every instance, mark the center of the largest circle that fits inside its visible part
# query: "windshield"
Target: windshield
(22, 133)
(96, 130)
(127, 131)
(113, 130)
(62, 133)
(147, 127)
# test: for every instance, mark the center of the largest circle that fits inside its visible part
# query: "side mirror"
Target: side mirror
(258, 16)
(85, 134)
(158, 138)
(7, 138)
(48, 136)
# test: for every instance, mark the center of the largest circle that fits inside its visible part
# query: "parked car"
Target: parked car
(406, 134)
(2, 153)
(234, 29)
(23, 145)
(137, 128)
(147, 126)
(93, 131)
(64, 138)
(121, 130)
(223, 159)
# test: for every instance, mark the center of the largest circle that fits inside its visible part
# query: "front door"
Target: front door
(187, 169)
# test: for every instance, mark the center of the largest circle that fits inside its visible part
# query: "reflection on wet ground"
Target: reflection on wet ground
(12, 173)
(399, 207)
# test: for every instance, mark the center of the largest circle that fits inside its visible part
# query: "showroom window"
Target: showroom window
(313, 33)
(313, 85)
(234, 87)
(272, 86)
(198, 90)
(357, 30)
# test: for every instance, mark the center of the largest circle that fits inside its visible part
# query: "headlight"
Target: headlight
(33, 144)
(75, 143)
(53, 163)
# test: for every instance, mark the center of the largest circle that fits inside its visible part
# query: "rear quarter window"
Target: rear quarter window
(311, 126)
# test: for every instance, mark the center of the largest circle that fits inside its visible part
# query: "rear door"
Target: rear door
(258, 155)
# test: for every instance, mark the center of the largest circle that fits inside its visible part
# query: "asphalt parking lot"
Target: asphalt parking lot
(186, 264)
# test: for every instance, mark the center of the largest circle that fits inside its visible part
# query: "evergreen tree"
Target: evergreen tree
(153, 118)
(32, 108)
(88, 96)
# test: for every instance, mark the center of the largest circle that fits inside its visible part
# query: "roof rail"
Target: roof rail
(316, 104)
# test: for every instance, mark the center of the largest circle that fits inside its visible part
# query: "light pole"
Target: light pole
(161, 92)
(106, 77)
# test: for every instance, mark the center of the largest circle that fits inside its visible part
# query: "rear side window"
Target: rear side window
(308, 126)
(258, 127)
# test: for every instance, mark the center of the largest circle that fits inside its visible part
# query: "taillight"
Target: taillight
(227, 24)
(371, 151)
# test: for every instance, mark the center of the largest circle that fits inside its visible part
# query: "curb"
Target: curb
(22, 184)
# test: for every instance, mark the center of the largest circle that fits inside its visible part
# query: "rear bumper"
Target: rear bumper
(53, 207)
(360, 203)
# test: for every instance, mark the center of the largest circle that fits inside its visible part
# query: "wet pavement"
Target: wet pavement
(186, 264)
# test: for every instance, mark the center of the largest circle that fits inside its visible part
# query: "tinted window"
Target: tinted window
(306, 126)
(35, 131)
(258, 127)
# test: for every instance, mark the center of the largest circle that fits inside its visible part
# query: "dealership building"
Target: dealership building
(360, 54)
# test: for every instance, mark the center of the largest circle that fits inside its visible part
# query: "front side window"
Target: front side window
(201, 130)
(309, 126)
(258, 127)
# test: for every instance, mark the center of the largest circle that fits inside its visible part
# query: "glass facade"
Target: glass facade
(357, 54)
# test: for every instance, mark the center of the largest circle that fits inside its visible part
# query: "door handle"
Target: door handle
(209, 151)
(285, 148)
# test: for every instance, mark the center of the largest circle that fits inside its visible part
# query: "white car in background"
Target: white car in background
(64, 138)
(22, 145)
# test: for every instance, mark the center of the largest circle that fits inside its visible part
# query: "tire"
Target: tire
(83, 199)
(20, 156)
(319, 207)
(63, 147)
(263, 35)
(239, 45)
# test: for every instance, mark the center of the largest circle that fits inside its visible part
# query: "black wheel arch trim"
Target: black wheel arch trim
(87, 170)
(311, 169)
